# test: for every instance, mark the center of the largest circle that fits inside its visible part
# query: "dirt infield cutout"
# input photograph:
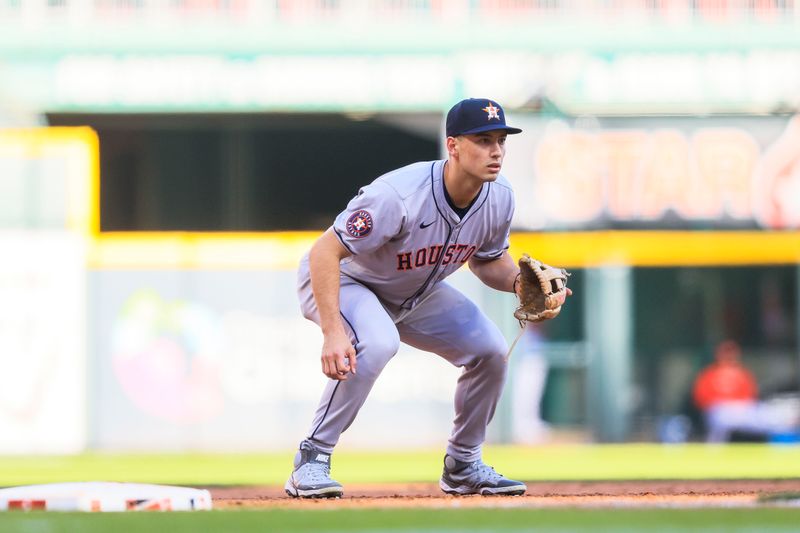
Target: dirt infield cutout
(661, 493)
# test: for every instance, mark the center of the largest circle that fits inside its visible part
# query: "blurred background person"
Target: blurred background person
(726, 393)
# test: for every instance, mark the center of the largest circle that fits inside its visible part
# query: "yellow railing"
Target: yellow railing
(283, 250)
(77, 150)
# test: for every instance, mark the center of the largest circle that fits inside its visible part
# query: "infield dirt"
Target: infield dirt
(678, 493)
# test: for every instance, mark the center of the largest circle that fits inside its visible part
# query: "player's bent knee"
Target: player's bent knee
(375, 353)
(492, 351)
(495, 346)
(386, 344)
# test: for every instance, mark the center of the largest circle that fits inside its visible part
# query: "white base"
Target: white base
(103, 496)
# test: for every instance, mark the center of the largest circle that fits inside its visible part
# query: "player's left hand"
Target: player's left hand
(541, 289)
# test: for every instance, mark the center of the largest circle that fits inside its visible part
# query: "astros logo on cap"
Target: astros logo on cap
(492, 111)
(359, 224)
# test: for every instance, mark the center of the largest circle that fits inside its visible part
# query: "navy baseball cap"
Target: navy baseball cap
(476, 115)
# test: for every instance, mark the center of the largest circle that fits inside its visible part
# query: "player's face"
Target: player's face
(481, 154)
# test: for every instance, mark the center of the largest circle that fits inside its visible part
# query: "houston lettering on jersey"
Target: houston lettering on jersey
(399, 260)
(429, 256)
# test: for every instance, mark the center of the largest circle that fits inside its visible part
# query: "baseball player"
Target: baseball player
(376, 278)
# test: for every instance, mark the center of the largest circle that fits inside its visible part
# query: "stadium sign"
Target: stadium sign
(657, 173)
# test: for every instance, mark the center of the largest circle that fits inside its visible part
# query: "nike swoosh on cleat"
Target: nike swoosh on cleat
(424, 225)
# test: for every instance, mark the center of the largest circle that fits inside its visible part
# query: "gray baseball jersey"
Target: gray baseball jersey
(405, 237)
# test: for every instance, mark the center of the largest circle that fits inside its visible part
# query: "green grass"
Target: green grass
(567, 462)
(450, 520)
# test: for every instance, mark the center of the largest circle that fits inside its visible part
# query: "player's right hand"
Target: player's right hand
(338, 356)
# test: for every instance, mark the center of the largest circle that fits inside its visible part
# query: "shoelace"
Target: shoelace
(318, 472)
(486, 472)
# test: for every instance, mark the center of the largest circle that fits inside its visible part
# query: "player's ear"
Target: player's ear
(452, 146)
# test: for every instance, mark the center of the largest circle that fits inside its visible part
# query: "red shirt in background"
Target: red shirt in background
(724, 382)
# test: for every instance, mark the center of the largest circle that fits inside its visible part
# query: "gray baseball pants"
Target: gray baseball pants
(446, 323)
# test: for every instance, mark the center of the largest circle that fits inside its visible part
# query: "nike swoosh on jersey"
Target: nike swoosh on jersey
(424, 225)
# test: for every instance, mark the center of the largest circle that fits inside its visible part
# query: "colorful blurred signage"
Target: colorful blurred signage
(651, 174)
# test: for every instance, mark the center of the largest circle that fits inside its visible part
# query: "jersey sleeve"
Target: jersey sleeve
(374, 216)
(498, 241)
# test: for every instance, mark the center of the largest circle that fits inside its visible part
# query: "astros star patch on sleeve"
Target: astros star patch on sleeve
(359, 224)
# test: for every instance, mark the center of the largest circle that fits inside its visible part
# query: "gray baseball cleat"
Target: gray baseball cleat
(462, 478)
(311, 477)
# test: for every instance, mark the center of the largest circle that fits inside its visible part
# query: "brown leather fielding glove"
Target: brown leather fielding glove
(542, 290)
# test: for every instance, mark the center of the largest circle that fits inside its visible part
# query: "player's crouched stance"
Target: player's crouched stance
(375, 279)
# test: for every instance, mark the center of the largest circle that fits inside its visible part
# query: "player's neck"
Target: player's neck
(460, 187)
